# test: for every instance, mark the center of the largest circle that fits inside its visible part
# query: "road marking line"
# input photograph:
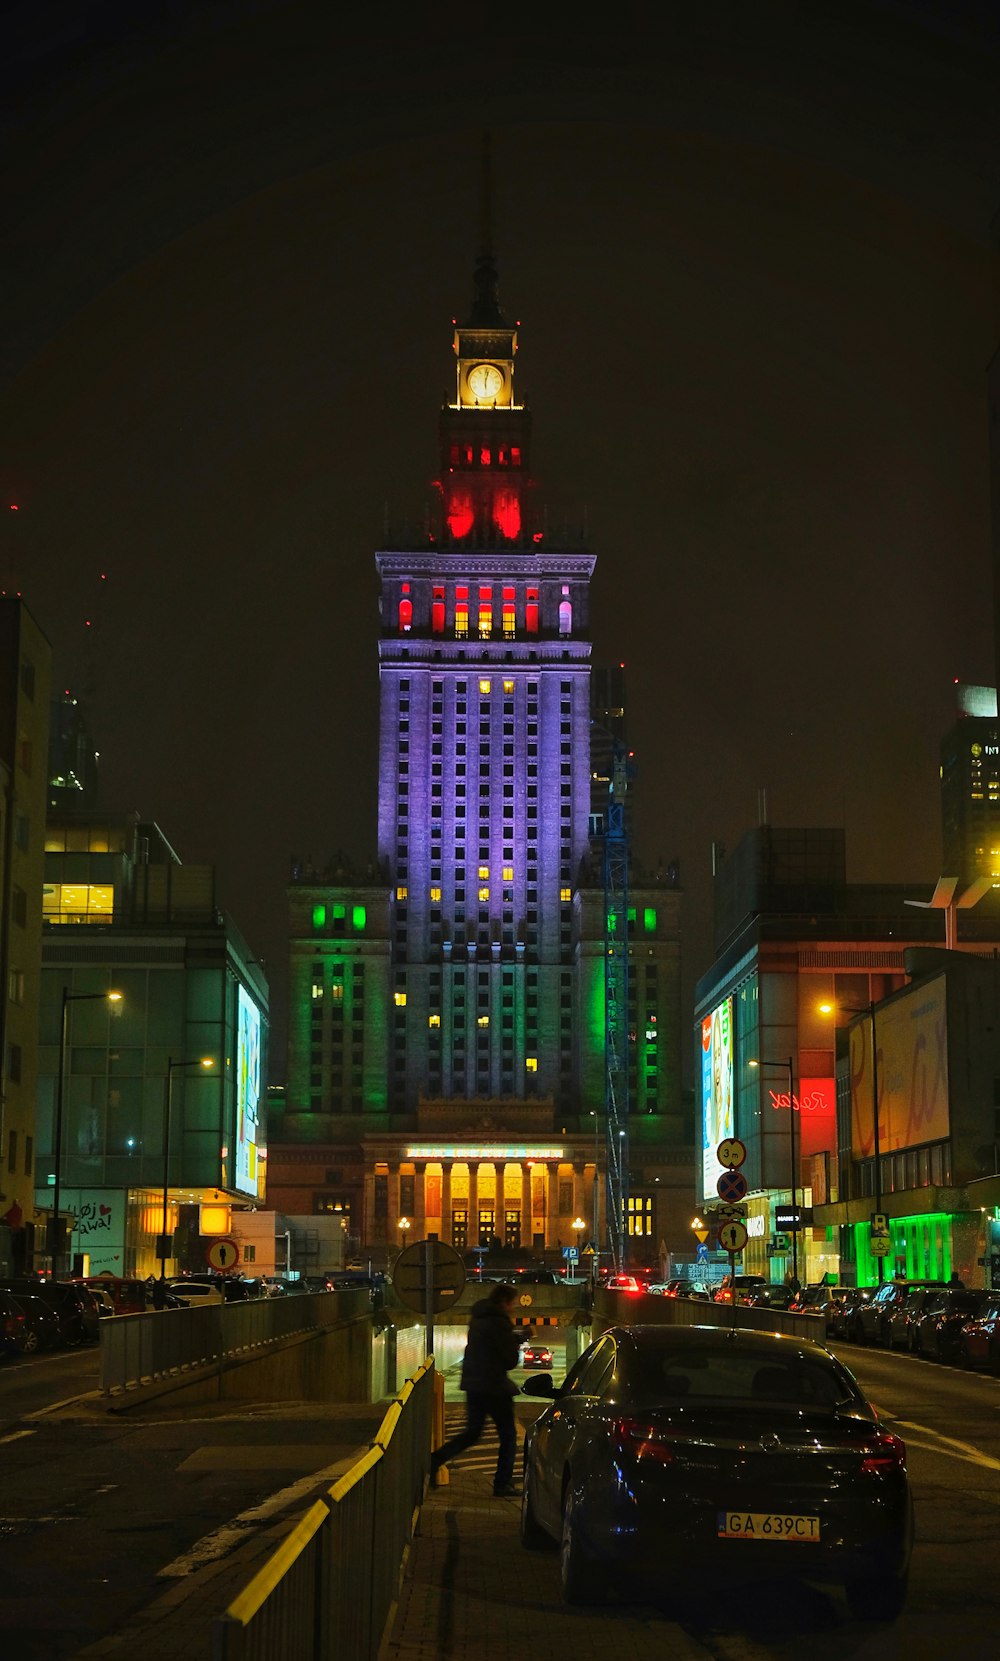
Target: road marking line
(957, 1450)
(221, 1540)
(16, 1435)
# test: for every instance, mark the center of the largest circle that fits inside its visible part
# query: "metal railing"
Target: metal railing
(331, 1588)
(143, 1349)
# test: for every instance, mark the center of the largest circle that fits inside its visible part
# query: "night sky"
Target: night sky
(749, 249)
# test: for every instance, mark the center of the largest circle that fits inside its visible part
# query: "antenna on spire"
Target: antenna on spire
(486, 197)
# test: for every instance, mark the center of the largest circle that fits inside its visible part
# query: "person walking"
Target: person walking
(492, 1347)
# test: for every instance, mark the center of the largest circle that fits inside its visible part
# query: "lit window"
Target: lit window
(337, 991)
(484, 893)
(435, 894)
(433, 1020)
(317, 991)
(508, 686)
(400, 999)
(531, 1063)
(401, 892)
(484, 686)
(482, 1021)
(405, 616)
(359, 916)
(319, 916)
(484, 870)
(565, 894)
(508, 873)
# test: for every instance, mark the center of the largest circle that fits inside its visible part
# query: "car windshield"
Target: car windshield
(729, 1373)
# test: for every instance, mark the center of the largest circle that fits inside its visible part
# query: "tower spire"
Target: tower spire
(486, 312)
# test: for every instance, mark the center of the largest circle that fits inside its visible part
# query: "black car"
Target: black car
(937, 1330)
(681, 1455)
(845, 1313)
(41, 1325)
(71, 1303)
(873, 1323)
(12, 1324)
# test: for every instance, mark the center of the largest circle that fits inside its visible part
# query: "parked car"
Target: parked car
(631, 1468)
(126, 1292)
(845, 1312)
(536, 1277)
(979, 1340)
(196, 1294)
(769, 1296)
(873, 1317)
(12, 1324)
(738, 1283)
(536, 1354)
(819, 1300)
(683, 1287)
(71, 1302)
(937, 1330)
(623, 1283)
(904, 1313)
(41, 1329)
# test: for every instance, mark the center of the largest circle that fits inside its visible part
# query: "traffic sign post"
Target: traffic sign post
(731, 1187)
(222, 1255)
(733, 1237)
(731, 1152)
(428, 1276)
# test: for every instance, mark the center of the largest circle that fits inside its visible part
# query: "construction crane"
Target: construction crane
(616, 1026)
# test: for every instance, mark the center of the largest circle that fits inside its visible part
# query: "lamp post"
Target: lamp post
(597, 1179)
(578, 1227)
(172, 1068)
(68, 997)
(869, 1010)
(404, 1226)
(787, 1067)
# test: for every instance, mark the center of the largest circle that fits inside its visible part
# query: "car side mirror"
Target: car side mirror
(540, 1385)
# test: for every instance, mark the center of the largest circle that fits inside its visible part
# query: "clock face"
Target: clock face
(485, 382)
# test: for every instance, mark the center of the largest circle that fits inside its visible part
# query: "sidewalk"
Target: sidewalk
(473, 1593)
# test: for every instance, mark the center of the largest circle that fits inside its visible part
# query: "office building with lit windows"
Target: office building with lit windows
(143, 1125)
(447, 1022)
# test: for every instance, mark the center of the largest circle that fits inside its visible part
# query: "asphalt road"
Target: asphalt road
(100, 1516)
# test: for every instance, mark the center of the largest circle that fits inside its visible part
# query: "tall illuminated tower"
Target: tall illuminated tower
(484, 762)
(447, 1034)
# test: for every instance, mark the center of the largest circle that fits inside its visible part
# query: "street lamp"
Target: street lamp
(172, 1068)
(786, 1066)
(68, 997)
(578, 1227)
(869, 1010)
(404, 1226)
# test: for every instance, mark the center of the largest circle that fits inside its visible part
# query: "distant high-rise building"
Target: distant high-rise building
(72, 757)
(970, 789)
(25, 670)
(448, 1024)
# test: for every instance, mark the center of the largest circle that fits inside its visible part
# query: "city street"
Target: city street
(104, 1517)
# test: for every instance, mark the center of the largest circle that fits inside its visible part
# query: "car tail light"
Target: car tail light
(884, 1453)
(638, 1439)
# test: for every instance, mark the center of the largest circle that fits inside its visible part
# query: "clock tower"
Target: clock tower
(484, 479)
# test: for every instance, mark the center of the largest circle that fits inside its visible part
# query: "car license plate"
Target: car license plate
(767, 1525)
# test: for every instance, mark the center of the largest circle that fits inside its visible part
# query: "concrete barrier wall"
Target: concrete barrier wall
(631, 1309)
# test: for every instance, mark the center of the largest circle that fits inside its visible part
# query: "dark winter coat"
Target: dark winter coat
(492, 1347)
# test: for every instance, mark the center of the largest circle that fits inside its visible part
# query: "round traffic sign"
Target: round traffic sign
(731, 1186)
(447, 1275)
(731, 1152)
(223, 1254)
(733, 1237)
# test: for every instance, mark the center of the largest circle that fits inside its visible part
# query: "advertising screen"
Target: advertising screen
(247, 1093)
(912, 1068)
(716, 1090)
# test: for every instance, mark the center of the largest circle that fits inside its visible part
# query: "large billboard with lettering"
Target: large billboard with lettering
(248, 1072)
(912, 1067)
(717, 1119)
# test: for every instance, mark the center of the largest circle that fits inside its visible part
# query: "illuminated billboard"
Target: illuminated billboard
(717, 1119)
(912, 1038)
(247, 1093)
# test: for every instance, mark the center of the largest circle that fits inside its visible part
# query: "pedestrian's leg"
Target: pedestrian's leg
(502, 1413)
(475, 1418)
